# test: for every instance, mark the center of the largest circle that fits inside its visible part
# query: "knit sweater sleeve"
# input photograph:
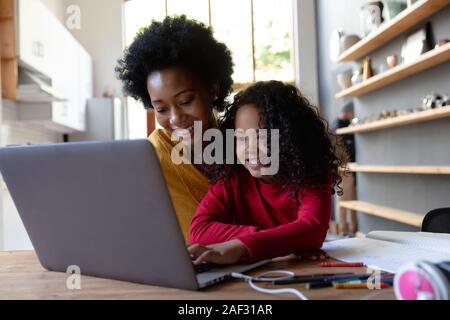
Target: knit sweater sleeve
(308, 231)
(213, 221)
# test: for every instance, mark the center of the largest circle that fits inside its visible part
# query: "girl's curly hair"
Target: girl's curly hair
(176, 41)
(309, 151)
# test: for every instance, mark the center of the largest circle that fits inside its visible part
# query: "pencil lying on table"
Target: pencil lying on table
(341, 264)
(359, 286)
(303, 279)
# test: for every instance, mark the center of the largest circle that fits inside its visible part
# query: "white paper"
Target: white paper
(387, 256)
(424, 240)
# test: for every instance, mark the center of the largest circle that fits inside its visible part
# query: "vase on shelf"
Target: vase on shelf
(392, 61)
(357, 76)
(371, 16)
(367, 69)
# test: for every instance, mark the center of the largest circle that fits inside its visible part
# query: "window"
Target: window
(139, 13)
(194, 9)
(259, 34)
(273, 40)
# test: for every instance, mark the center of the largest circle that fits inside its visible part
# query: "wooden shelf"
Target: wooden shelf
(428, 60)
(408, 119)
(410, 218)
(9, 64)
(6, 9)
(407, 19)
(7, 39)
(6, 18)
(9, 78)
(399, 169)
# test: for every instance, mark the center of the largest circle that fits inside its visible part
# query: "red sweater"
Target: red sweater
(262, 216)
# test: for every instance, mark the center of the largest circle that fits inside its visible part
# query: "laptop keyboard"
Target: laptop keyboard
(201, 268)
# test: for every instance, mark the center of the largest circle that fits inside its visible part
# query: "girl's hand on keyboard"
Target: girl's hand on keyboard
(222, 253)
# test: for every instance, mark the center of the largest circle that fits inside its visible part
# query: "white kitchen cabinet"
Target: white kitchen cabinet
(86, 85)
(34, 40)
(83, 87)
(67, 80)
(46, 46)
(74, 81)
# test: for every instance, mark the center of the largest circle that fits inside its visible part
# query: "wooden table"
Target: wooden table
(22, 277)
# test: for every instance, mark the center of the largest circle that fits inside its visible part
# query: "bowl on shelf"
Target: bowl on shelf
(339, 42)
(344, 80)
(348, 41)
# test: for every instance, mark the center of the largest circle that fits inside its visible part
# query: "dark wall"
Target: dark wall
(426, 143)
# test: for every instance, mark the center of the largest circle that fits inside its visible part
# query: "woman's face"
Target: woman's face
(179, 98)
(248, 121)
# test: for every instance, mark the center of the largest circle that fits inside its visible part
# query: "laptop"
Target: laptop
(103, 207)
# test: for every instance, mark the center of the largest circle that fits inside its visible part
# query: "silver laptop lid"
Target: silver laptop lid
(102, 206)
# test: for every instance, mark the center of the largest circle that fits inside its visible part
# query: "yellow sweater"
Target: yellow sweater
(187, 185)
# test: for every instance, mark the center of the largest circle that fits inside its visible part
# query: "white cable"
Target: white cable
(263, 278)
(293, 291)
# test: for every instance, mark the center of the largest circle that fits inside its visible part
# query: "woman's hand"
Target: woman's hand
(222, 253)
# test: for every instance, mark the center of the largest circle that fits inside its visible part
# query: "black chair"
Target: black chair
(437, 221)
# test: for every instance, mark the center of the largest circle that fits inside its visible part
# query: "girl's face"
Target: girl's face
(179, 98)
(248, 121)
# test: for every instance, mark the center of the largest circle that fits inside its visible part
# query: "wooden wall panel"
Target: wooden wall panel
(9, 79)
(9, 67)
(7, 38)
(150, 122)
(6, 9)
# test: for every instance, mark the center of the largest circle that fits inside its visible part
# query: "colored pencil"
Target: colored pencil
(341, 264)
(359, 286)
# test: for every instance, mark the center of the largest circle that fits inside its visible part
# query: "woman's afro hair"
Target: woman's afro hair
(176, 41)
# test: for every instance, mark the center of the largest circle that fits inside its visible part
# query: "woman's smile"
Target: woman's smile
(185, 133)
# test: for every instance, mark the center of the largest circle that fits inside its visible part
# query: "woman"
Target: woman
(179, 70)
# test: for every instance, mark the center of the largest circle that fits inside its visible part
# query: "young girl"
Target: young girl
(247, 216)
